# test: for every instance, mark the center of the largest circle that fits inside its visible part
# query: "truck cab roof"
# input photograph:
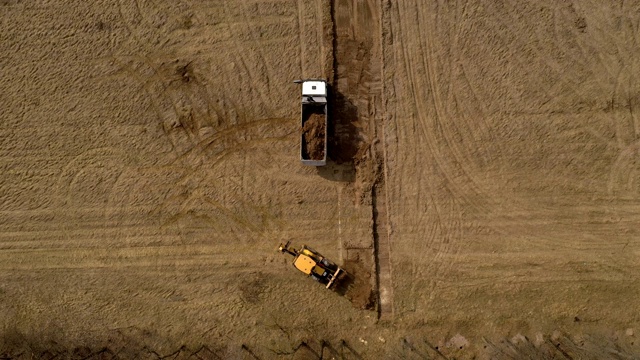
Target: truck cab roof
(314, 87)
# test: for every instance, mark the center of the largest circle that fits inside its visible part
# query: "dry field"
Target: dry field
(486, 178)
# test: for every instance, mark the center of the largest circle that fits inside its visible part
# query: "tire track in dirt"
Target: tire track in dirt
(564, 77)
(448, 129)
(196, 94)
(315, 39)
(440, 125)
(210, 150)
(466, 110)
(623, 122)
(240, 54)
(98, 159)
(149, 256)
(624, 176)
(468, 151)
(510, 37)
(214, 150)
(163, 99)
(131, 19)
(268, 71)
(302, 48)
(447, 203)
(500, 16)
(403, 65)
(172, 94)
(421, 111)
(224, 190)
(197, 179)
(438, 218)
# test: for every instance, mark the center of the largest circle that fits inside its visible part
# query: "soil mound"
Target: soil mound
(313, 133)
(357, 286)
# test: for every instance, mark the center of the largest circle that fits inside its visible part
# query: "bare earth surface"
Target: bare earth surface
(486, 182)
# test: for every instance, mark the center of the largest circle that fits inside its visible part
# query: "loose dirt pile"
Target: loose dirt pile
(356, 285)
(313, 132)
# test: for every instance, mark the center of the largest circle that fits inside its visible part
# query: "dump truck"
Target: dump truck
(313, 139)
(314, 265)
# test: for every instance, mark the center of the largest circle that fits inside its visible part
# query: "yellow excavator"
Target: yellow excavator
(313, 264)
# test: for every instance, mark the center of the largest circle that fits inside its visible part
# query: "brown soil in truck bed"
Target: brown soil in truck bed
(313, 133)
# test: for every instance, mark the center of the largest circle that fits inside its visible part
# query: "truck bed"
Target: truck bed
(313, 149)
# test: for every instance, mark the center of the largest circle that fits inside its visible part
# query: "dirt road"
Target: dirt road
(485, 169)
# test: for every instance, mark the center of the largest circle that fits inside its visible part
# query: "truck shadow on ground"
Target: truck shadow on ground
(343, 139)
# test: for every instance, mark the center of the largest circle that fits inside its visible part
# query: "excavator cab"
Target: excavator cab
(313, 264)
